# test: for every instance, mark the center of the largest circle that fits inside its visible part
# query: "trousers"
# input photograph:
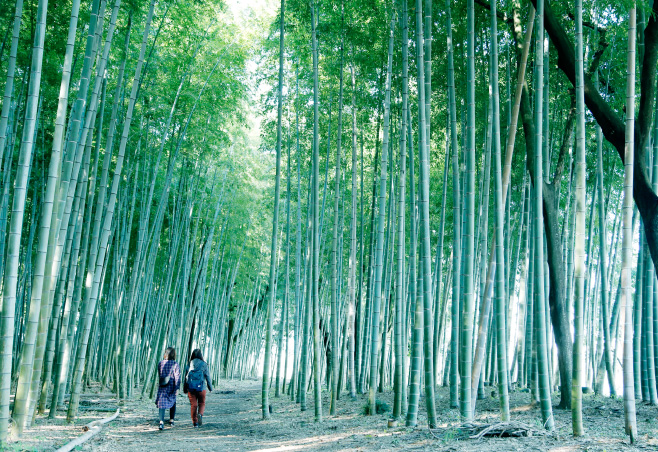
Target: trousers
(172, 413)
(198, 404)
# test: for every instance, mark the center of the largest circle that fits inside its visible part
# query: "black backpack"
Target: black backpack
(195, 379)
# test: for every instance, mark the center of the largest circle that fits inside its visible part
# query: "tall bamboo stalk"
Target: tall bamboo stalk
(315, 242)
(424, 215)
(269, 313)
(456, 213)
(540, 285)
(335, 257)
(579, 245)
(16, 223)
(627, 232)
(400, 310)
(466, 339)
(375, 341)
(11, 71)
(499, 190)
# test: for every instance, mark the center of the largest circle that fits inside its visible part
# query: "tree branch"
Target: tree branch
(589, 24)
(500, 14)
(596, 59)
(648, 83)
(612, 125)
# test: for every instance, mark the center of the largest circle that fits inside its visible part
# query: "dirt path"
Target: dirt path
(233, 423)
(225, 415)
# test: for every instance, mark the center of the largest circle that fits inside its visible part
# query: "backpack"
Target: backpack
(195, 379)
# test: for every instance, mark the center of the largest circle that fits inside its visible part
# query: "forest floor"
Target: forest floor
(232, 422)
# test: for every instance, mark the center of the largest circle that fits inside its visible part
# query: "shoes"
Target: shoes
(171, 422)
(161, 427)
(196, 425)
(200, 420)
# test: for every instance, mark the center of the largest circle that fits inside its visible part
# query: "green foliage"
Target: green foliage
(227, 148)
(380, 408)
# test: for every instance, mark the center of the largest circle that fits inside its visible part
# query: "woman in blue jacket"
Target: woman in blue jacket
(195, 385)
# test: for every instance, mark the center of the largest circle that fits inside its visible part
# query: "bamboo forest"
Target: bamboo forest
(328, 225)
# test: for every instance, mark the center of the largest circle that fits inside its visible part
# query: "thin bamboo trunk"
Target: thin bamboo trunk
(379, 247)
(315, 248)
(400, 292)
(579, 245)
(275, 227)
(627, 242)
(298, 253)
(335, 283)
(500, 193)
(351, 325)
(424, 215)
(9, 83)
(466, 339)
(16, 223)
(457, 233)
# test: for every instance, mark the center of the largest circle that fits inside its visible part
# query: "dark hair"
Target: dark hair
(170, 353)
(196, 354)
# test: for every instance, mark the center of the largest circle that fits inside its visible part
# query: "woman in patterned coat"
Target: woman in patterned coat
(169, 373)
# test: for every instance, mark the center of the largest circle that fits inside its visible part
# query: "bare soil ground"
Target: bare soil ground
(232, 422)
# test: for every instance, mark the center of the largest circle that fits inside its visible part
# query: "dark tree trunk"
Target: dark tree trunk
(191, 338)
(557, 294)
(557, 299)
(229, 344)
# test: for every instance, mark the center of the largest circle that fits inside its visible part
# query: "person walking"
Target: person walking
(195, 386)
(169, 374)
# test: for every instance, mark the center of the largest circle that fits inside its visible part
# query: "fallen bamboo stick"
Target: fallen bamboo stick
(91, 429)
